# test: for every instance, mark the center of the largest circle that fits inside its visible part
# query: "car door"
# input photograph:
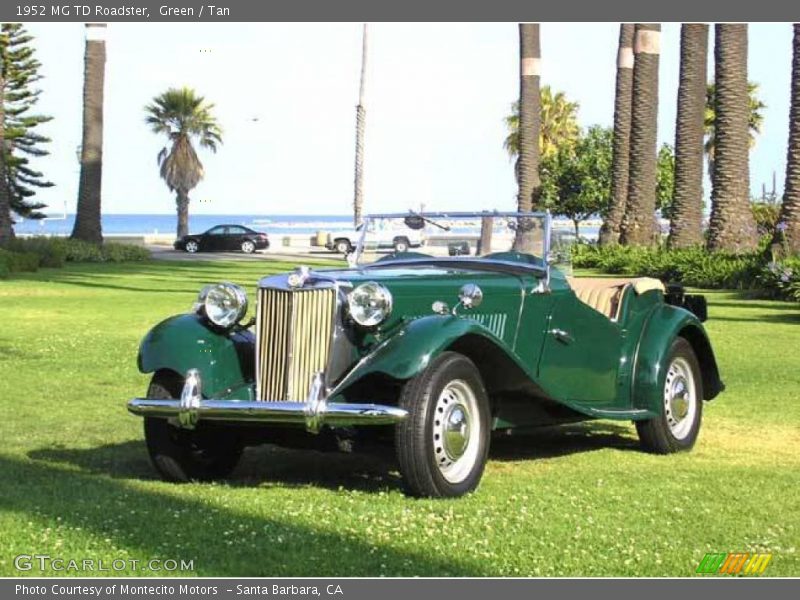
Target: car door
(214, 239)
(370, 237)
(234, 237)
(580, 359)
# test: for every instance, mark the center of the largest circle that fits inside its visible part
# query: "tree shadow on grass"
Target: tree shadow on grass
(790, 318)
(126, 288)
(749, 302)
(193, 273)
(152, 520)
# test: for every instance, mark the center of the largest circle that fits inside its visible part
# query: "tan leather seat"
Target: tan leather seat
(605, 294)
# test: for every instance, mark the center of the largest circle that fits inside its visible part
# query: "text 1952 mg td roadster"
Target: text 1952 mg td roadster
(478, 329)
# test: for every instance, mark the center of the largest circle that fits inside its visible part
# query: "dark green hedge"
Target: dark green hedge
(31, 253)
(696, 267)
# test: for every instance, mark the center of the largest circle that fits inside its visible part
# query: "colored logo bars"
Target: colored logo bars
(734, 563)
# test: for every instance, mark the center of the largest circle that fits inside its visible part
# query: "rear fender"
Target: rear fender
(665, 324)
(225, 360)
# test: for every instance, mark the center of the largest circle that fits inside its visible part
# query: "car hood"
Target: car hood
(419, 275)
(410, 279)
(414, 289)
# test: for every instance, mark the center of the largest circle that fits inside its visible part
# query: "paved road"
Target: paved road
(166, 253)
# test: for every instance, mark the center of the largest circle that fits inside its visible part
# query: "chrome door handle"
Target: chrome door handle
(562, 336)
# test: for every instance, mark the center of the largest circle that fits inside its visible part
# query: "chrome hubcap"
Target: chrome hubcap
(456, 431)
(680, 398)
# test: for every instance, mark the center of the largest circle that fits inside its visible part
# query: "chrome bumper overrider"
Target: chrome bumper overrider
(314, 413)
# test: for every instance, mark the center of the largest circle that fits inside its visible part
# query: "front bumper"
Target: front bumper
(314, 413)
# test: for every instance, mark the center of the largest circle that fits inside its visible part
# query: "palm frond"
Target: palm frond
(183, 116)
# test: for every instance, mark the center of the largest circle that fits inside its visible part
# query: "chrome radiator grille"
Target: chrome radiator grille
(294, 330)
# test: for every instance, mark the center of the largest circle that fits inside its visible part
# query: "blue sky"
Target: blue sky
(285, 96)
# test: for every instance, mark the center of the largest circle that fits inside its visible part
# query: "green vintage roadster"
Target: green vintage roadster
(480, 329)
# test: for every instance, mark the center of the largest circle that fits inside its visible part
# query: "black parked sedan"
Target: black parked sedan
(224, 238)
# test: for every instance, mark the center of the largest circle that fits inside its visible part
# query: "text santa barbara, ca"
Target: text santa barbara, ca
(189, 590)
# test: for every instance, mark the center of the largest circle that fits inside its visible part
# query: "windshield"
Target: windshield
(517, 237)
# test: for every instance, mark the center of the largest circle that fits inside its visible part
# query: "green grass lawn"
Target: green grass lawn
(582, 500)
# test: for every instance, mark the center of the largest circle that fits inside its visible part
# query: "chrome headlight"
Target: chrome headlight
(370, 304)
(224, 304)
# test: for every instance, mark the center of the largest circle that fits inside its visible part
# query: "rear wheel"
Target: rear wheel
(181, 455)
(248, 247)
(443, 444)
(678, 425)
(192, 246)
(401, 245)
(343, 246)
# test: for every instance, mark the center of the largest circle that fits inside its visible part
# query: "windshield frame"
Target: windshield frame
(355, 257)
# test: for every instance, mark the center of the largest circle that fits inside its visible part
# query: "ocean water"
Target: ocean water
(115, 224)
(166, 224)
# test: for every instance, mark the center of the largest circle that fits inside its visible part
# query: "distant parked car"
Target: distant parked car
(378, 235)
(224, 238)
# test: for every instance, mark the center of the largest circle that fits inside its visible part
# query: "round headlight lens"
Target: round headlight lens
(370, 304)
(225, 304)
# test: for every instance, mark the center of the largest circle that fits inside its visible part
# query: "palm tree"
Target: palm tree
(558, 125)
(686, 224)
(182, 115)
(529, 117)
(6, 223)
(609, 232)
(361, 115)
(87, 219)
(756, 119)
(638, 224)
(790, 211)
(731, 225)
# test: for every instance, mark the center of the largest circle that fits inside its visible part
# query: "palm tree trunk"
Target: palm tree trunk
(790, 211)
(485, 241)
(182, 206)
(731, 226)
(609, 232)
(361, 116)
(6, 223)
(87, 220)
(686, 227)
(638, 224)
(529, 117)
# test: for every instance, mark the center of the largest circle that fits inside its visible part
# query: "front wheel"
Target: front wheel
(248, 247)
(678, 425)
(192, 246)
(181, 455)
(443, 444)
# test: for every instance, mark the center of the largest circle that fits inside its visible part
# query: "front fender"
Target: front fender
(409, 351)
(226, 360)
(665, 324)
